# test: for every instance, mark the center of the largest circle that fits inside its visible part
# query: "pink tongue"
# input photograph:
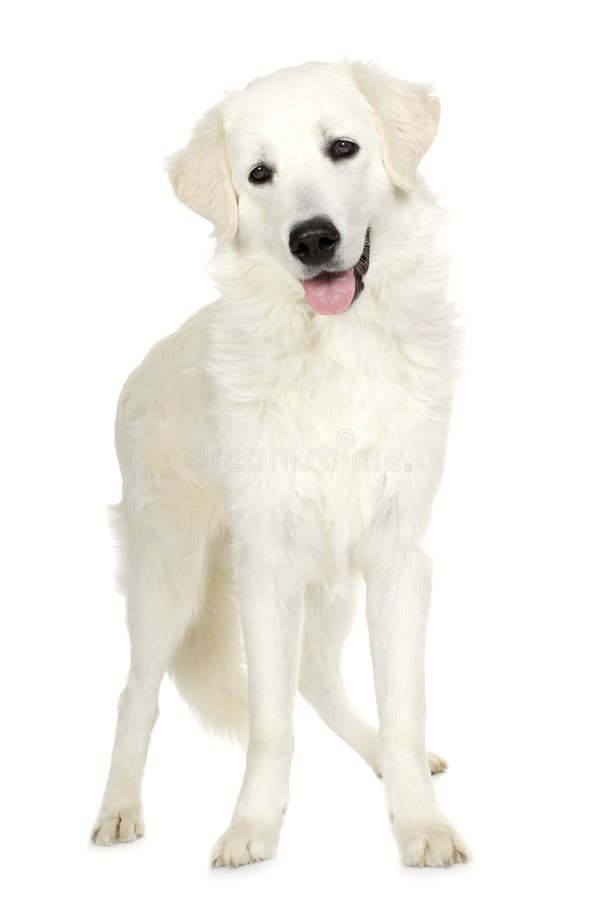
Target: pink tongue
(328, 294)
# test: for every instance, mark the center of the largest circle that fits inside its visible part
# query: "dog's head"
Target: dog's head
(300, 167)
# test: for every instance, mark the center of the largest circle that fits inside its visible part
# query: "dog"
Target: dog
(287, 443)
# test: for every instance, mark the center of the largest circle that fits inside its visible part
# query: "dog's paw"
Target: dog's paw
(437, 763)
(432, 844)
(244, 843)
(118, 827)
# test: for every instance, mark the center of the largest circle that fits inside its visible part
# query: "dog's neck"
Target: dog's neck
(401, 316)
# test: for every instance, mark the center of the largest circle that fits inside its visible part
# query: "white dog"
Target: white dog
(287, 441)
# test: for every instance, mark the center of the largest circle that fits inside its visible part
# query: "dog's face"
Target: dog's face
(299, 167)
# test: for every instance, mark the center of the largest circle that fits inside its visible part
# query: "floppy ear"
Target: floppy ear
(406, 116)
(201, 178)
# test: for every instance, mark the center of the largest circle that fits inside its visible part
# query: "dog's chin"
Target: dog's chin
(330, 293)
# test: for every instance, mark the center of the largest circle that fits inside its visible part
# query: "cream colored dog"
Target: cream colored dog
(288, 441)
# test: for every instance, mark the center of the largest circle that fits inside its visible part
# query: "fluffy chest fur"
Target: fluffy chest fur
(323, 422)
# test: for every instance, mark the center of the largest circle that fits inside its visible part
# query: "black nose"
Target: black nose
(314, 242)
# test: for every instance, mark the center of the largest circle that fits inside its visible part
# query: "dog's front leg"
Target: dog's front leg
(398, 591)
(271, 605)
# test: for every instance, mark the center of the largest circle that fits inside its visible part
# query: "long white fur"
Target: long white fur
(271, 457)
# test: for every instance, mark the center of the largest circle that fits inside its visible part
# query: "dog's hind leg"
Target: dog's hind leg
(327, 623)
(162, 599)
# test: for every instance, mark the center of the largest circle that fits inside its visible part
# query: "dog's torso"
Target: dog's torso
(324, 425)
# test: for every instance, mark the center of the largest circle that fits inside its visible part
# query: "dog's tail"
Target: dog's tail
(209, 666)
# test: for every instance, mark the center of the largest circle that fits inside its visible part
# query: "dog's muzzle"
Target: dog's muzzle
(334, 292)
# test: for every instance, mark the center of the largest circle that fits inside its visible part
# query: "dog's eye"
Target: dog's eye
(342, 149)
(260, 174)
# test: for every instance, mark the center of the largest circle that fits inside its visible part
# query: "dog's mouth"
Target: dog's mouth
(334, 292)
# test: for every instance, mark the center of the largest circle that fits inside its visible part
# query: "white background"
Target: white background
(99, 261)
